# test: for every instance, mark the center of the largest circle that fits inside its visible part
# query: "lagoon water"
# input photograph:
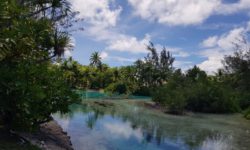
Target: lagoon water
(123, 125)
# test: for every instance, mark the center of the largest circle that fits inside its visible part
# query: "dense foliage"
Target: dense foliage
(139, 78)
(154, 70)
(35, 81)
(100, 76)
(195, 91)
(32, 86)
(226, 92)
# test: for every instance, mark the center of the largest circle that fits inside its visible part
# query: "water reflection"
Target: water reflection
(217, 143)
(128, 127)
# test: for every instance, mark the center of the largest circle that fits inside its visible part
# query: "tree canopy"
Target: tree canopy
(32, 35)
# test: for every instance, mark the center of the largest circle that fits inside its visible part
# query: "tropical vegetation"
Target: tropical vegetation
(36, 80)
(226, 91)
(33, 35)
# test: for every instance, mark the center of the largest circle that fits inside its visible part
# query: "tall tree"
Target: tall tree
(166, 65)
(196, 74)
(155, 69)
(152, 56)
(237, 70)
(95, 60)
(32, 34)
(238, 65)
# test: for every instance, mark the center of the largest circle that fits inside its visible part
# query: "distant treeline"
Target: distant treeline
(227, 91)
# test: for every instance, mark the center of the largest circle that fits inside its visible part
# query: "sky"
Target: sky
(196, 32)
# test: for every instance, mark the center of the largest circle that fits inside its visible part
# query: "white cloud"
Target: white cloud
(133, 45)
(97, 12)
(234, 7)
(102, 26)
(71, 45)
(213, 62)
(177, 52)
(210, 42)
(185, 12)
(67, 54)
(227, 40)
(122, 59)
(129, 44)
(104, 55)
(102, 20)
(175, 12)
(184, 65)
(219, 46)
(123, 130)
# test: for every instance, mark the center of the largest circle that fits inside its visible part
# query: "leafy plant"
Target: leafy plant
(31, 85)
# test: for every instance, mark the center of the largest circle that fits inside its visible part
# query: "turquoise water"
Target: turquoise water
(96, 95)
(124, 125)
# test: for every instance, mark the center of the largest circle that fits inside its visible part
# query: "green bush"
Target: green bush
(118, 88)
(173, 94)
(199, 95)
(143, 91)
(30, 93)
(211, 98)
(247, 113)
(32, 87)
(173, 99)
(244, 99)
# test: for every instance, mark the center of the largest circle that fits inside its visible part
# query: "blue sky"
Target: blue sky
(197, 32)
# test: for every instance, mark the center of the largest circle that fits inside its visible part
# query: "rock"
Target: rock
(49, 137)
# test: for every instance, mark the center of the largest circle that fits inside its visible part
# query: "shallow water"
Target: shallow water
(97, 95)
(121, 125)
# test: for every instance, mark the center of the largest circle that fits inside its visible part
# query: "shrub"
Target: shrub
(173, 99)
(199, 96)
(247, 113)
(244, 99)
(118, 88)
(30, 93)
(211, 98)
(143, 91)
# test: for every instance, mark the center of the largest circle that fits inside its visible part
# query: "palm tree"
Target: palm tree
(95, 59)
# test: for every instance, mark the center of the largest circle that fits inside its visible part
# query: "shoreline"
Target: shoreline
(50, 136)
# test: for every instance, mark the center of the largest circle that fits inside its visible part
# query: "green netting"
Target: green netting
(90, 94)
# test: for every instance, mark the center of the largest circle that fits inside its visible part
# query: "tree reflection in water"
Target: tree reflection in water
(160, 129)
